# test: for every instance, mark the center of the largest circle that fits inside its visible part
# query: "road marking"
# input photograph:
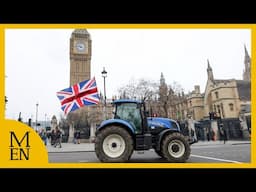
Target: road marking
(200, 147)
(83, 161)
(216, 159)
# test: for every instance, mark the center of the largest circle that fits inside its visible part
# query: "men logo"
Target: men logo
(19, 147)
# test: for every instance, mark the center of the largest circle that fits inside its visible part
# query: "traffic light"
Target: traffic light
(29, 122)
(213, 115)
(210, 115)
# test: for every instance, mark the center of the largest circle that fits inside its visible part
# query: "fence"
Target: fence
(204, 131)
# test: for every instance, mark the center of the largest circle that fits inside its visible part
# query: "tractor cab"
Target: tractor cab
(130, 111)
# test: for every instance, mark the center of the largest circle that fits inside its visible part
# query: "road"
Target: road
(219, 153)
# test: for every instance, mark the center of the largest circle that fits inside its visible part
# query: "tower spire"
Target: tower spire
(247, 65)
(209, 71)
(245, 51)
(208, 63)
(162, 79)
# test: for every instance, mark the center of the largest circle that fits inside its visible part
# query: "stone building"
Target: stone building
(195, 105)
(226, 96)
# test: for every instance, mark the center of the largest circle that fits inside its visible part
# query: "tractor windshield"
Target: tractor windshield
(131, 113)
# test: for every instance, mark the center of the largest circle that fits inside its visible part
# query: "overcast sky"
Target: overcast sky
(37, 61)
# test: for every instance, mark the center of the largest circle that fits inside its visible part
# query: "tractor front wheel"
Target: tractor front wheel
(175, 148)
(113, 144)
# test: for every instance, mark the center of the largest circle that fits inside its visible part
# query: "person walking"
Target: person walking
(207, 134)
(43, 136)
(57, 137)
(223, 133)
(53, 137)
(78, 137)
(74, 139)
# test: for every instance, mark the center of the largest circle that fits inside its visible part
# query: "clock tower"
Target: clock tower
(80, 56)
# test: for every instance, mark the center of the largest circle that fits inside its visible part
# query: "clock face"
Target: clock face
(80, 46)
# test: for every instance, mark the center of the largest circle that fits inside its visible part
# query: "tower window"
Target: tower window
(231, 106)
(217, 95)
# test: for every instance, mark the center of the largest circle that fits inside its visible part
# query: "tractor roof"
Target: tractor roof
(126, 101)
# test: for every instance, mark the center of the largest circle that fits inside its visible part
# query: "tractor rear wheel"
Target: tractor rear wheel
(114, 144)
(175, 148)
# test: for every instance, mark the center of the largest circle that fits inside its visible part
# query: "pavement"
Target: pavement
(71, 147)
(89, 147)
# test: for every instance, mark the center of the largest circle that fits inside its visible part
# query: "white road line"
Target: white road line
(83, 161)
(216, 159)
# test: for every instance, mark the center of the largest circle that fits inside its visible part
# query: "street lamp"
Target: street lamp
(45, 115)
(104, 75)
(36, 114)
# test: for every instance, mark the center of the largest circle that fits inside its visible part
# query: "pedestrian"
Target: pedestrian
(43, 136)
(57, 137)
(225, 138)
(53, 137)
(223, 133)
(208, 135)
(74, 139)
(78, 137)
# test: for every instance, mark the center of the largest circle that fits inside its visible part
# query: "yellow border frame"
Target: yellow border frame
(135, 26)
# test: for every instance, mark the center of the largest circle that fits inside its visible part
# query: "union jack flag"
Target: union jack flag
(79, 95)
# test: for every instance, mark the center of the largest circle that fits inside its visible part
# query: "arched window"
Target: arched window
(217, 95)
(231, 106)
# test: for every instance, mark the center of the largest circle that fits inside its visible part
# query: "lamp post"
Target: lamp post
(45, 115)
(104, 75)
(36, 114)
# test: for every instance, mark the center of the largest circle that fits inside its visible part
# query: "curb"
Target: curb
(240, 143)
(69, 151)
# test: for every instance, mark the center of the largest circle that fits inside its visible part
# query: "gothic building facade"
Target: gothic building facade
(228, 99)
(225, 97)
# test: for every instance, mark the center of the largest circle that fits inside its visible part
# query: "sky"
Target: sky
(37, 62)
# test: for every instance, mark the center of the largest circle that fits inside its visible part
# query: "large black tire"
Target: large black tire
(175, 148)
(113, 144)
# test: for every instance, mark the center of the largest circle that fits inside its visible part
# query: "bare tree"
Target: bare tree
(161, 99)
(139, 89)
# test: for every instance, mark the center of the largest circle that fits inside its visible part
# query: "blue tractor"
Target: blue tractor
(131, 129)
